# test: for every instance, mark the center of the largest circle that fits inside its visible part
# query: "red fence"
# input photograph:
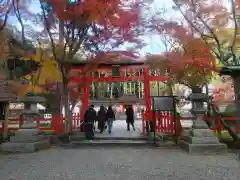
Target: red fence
(76, 122)
(167, 123)
(54, 124)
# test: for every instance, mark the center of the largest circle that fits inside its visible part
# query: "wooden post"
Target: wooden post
(5, 123)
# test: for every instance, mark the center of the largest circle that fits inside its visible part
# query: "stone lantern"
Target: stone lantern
(28, 138)
(200, 138)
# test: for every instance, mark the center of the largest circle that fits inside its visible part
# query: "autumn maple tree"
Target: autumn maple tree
(206, 29)
(187, 59)
(98, 28)
(208, 20)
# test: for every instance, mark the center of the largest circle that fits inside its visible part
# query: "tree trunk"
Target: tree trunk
(53, 103)
(169, 88)
(66, 101)
(68, 114)
(237, 99)
(234, 136)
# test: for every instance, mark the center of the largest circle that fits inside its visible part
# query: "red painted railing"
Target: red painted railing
(167, 123)
(54, 124)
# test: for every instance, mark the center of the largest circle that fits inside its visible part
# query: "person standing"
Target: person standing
(110, 115)
(130, 117)
(89, 117)
(101, 117)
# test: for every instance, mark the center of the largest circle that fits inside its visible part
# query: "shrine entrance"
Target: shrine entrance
(115, 74)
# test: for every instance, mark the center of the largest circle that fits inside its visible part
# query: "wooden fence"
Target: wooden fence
(167, 123)
(54, 124)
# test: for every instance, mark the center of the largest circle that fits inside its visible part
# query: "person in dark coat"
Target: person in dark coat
(110, 115)
(130, 117)
(89, 117)
(101, 118)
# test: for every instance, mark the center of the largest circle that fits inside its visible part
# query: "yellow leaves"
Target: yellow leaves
(24, 90)
(60, 50)
(225, 36)
(49, 72)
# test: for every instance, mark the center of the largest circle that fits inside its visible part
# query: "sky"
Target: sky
(154, 45)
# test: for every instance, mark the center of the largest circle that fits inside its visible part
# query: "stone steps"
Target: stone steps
(78, 139)
(108, 143)
(81, 138)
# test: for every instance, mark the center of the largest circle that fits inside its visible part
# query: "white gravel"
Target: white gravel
(118, 164)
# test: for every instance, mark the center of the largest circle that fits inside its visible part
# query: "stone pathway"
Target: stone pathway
(119, 137)
(117, 164)
(120, 130)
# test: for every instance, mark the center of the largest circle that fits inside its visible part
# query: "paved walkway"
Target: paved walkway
(117, 164)
(120, 130)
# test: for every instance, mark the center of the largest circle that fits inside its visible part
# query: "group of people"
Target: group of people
(104, 119)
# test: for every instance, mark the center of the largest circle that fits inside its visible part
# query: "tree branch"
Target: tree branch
(6, 16)
(49, 31)
(233, 46)
(19, 18)
(220, 56)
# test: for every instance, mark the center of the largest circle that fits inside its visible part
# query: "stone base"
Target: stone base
(32, 132)
(202, 141)
(201, 133)
(27, 139)
(17, 147)
(204, 148)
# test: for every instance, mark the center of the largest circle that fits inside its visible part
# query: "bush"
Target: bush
(229, 111)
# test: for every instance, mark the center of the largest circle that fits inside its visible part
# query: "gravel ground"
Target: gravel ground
(118, 164)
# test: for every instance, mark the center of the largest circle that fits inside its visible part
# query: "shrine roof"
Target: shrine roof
(109, 63)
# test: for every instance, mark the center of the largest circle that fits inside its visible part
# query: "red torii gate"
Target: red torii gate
(135, 66)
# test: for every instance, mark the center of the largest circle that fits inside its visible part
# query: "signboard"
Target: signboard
(16, 106)
(47, 116)
(163, 103)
